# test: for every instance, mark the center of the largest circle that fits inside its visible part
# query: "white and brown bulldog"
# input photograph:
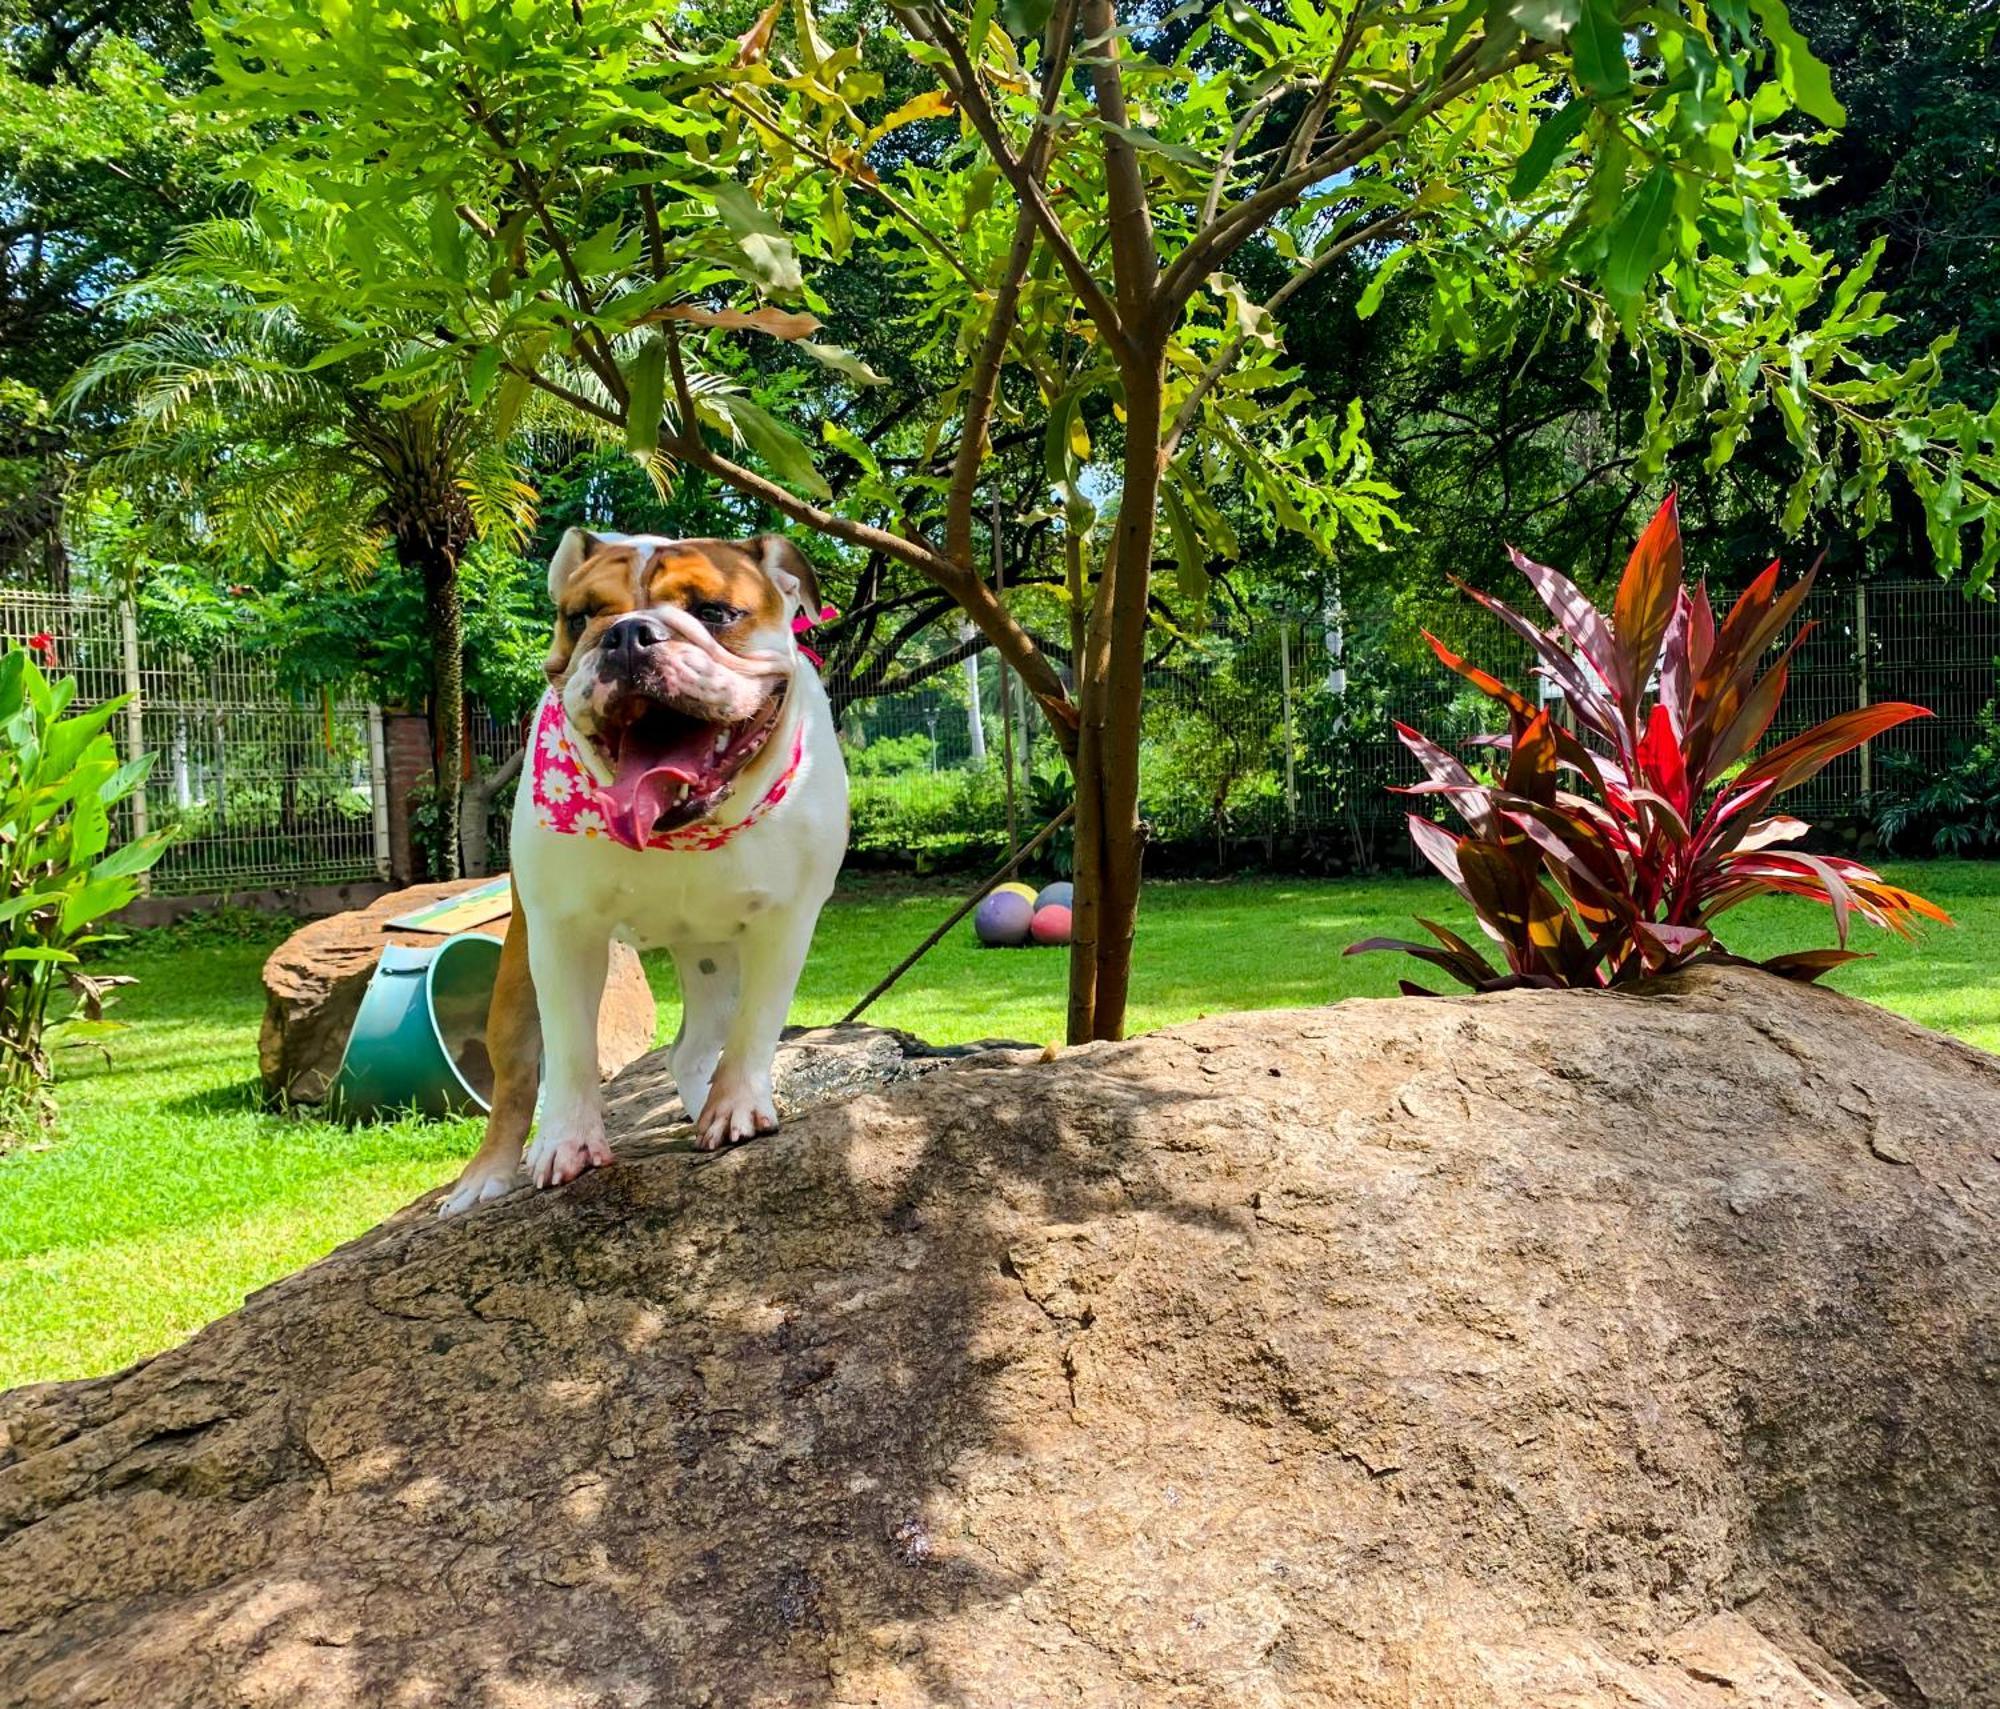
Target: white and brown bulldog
(684, 789)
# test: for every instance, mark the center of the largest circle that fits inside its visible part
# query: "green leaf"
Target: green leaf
(1552, 136)
(646, 392)
(842, 362)
(1802, 74)
(772, 261)
(479, 375)
(1640, 239)
(1546, 20)
(1193, 562)
(1597, 50)
(1371, 296)
(784, 453)
(133, 857)
(1025, 19)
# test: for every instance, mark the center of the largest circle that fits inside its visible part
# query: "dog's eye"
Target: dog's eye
(575, 622)
(715, 614)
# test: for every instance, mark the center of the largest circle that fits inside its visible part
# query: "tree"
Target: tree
(1065, 222)
(257, 414)
(100, 165)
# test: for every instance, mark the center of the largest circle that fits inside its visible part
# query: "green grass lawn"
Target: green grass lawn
(169, 1193)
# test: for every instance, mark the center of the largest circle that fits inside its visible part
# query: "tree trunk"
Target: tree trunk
(436, 560)
(1112, 690)
(476, 812)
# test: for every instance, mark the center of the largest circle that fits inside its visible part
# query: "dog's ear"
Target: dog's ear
(789, 569)
(577, 545)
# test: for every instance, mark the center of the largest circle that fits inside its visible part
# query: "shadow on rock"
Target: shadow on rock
(1543, 1348)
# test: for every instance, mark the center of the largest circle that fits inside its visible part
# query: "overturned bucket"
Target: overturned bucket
(419, 1037)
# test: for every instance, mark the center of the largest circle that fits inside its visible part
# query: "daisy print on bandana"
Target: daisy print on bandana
(566, 798)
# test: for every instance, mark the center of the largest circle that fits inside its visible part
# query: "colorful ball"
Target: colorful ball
(1060, 894)
(1050, 925)
(1003, 920)
(1016, 888)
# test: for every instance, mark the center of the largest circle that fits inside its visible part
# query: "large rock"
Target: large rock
(314, 981)
(1543, 1349)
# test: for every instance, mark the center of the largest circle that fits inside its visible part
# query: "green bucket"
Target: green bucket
(419, 1037)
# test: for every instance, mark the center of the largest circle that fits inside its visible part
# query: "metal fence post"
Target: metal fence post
(1285, 690)
(378, 789)
(135, 717)
(1861, 680)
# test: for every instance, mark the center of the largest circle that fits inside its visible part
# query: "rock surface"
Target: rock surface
(1543, 1349)
(314, 981)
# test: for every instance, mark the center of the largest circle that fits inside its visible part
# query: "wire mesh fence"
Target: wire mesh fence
(261, 787)
(1283, 736)
(1278, 740)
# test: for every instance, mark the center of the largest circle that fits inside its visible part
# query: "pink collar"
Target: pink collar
(568, 800)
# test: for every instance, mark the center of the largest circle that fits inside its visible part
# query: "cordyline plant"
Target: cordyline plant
(1605, 853)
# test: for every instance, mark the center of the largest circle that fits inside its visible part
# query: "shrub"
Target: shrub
(60, 782)
(1954, 808)
(1603, 855)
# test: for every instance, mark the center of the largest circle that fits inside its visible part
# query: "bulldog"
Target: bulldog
(683, 789)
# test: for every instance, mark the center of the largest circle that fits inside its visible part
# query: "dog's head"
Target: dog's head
(673, 658)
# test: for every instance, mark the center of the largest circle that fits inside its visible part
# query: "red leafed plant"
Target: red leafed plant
(1606, 852)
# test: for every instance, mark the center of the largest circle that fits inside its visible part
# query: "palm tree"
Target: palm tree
(255, 411)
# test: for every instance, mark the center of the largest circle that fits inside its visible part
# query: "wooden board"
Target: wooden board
(492, 900)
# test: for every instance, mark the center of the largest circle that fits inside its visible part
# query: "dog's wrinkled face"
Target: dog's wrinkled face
(672, 658)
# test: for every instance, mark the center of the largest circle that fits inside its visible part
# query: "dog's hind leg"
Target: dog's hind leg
(514, 1045)
(709, 974)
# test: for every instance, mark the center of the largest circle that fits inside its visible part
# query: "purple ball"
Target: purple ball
(1003, 919)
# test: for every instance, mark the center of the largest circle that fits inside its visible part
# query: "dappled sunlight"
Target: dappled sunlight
(170, 1194)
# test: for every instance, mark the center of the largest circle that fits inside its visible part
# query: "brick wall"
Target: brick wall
(406, 738)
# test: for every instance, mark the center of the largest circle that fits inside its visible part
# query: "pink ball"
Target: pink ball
(1050, 925)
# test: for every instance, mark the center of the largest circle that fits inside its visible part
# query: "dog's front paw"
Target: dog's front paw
(735, 1110)
(558, 1155)
(476, 1186)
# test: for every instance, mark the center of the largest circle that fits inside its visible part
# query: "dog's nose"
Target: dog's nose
(628, 640)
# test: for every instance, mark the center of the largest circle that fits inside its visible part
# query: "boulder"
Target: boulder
(1485, 1353)
(314, 980)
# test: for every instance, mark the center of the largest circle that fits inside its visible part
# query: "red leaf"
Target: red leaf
(1555, 664)
(1645, 601)
(1581, 621)
(1452, 941)
(1806, 965)
(1676, 664)
(1791, 763)
(1660, 759)
(1531, 768)
(1490, 686)
(1440, 848)
(1474, 973)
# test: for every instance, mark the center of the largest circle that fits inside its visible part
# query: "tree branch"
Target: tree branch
(1225, 359)
(983, 384)
(963, 81)
(1135, 265)
(1216, 242)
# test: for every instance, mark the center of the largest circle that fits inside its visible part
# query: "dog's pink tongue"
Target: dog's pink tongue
(646, 781)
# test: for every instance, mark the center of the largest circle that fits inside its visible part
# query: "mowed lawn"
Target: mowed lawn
(169, 1193)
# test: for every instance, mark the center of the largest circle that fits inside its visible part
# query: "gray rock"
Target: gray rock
(1485, 1353)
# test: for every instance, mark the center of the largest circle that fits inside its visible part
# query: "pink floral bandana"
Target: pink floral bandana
(567, 798)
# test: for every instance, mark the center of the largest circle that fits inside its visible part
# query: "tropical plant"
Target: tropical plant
(1603, 855)
(1954, 807)
(1073, 194)
(60, 783)
(260, 419)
